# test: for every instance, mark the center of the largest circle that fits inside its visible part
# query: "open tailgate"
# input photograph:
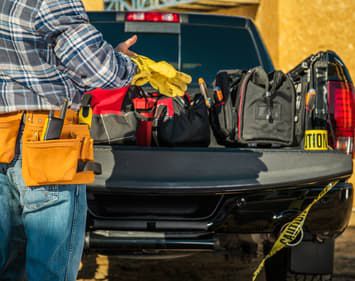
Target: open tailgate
(206, 170)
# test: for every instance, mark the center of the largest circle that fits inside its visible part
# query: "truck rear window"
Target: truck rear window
(204, 49)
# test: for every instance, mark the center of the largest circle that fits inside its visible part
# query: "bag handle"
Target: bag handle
(261, 77)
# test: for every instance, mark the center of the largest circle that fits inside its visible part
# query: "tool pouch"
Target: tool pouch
(9, 128)
(61, 161)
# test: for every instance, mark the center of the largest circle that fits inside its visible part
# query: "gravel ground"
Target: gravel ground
(345, 256)
(203, 266)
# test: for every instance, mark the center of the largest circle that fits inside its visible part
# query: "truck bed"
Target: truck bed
(214, 170)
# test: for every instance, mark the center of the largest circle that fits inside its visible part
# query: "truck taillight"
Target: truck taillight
(152, 17)
(341, 101)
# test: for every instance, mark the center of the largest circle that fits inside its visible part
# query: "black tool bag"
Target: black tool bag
(266, 108)
(187, 126)
(223, 117)
(311, 75)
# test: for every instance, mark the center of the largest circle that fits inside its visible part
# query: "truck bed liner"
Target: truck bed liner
(214, 170)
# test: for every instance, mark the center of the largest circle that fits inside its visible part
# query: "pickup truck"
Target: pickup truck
(159, 202)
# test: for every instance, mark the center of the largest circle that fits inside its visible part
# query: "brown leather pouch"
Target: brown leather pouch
(9, 128)
(49, 162)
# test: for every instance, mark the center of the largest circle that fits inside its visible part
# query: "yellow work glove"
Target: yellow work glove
(141, 78)
(164, 69)
(161, 75)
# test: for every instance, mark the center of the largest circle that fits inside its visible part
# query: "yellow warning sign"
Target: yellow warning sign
(292, 229)
(316, 140)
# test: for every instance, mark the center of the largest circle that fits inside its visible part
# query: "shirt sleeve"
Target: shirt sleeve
(82, 52)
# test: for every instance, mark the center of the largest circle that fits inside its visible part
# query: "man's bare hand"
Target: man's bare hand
(124, 46)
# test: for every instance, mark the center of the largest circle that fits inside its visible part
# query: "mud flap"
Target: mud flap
(312, 258)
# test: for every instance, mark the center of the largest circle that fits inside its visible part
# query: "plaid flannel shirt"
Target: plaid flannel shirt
(50, 52)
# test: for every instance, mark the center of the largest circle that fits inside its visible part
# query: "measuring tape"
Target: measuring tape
(292, 229)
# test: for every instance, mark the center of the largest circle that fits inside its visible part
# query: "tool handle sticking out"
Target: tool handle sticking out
(203, 88)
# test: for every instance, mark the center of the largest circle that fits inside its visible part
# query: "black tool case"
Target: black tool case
(315, 72)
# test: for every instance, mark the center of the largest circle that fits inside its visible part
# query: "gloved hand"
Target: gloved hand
(162, 76)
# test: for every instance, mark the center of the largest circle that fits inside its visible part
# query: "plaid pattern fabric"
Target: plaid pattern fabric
(49, 52)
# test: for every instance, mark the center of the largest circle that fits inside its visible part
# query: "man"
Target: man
(49, 53)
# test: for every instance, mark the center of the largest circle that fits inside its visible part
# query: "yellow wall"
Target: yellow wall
(308, 26)
(266, 19)
(94, 5)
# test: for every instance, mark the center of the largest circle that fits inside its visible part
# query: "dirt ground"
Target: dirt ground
(203, 266)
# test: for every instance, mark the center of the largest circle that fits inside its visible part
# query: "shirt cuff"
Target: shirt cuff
(131, 67)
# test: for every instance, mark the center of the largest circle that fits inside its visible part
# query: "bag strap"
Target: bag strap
(158, 113)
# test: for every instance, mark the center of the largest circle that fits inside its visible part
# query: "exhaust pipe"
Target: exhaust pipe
(137, 241)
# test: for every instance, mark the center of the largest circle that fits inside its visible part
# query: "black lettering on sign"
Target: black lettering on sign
(316, 140)
(319, 140)
(309, 141)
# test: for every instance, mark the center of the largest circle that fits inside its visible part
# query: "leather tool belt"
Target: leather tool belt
(67, 160)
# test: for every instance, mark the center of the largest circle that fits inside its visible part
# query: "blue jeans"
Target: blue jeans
(41, 229)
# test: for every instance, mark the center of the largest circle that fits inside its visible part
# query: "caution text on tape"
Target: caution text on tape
(292, 229)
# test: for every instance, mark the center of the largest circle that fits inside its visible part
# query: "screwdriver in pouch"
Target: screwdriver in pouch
(203, 88)
(310, 104)
(53, 126)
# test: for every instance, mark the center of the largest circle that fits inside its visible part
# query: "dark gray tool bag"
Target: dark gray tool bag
(265, 108)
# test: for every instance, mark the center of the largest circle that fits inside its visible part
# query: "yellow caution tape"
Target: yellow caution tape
(316, 140)
(292, 229)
